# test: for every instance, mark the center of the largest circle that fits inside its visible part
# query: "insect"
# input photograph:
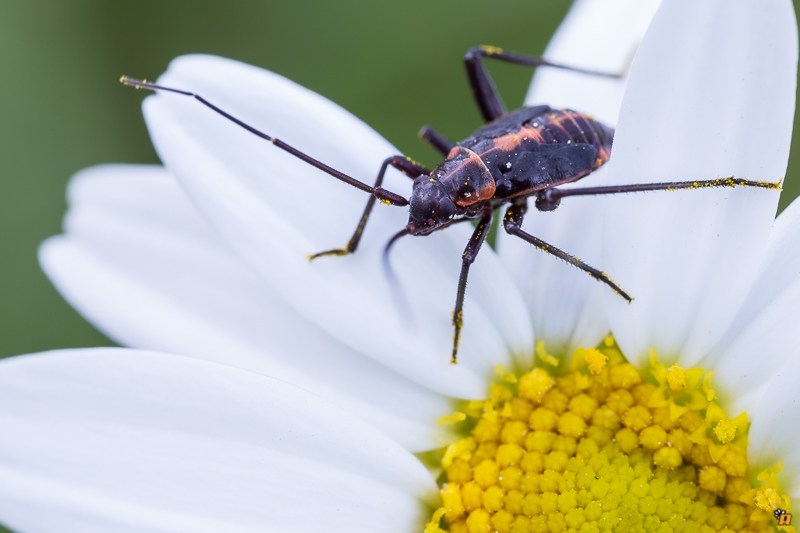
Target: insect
(517, 155)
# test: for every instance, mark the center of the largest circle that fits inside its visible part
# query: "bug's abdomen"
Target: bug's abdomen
(531, 149)
(569, 127)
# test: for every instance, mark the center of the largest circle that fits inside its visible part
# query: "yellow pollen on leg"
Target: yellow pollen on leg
(602, 447)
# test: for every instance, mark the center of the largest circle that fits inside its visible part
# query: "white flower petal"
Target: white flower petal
(773, 433)
(596, 35)
(764, 333)
(116, 440)
(565, 303)
(143, 266)
(694, 109)
(275, 210)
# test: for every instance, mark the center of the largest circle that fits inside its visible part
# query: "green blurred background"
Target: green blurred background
(396, 65)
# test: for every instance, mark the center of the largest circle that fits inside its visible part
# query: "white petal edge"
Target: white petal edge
(111, 439)
(764, 334)
(274, 210)
(141, 264)
(693, 110)
(773, 433)
(565, 304)
(599, 35)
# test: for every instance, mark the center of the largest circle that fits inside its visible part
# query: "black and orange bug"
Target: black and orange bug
(516, 155)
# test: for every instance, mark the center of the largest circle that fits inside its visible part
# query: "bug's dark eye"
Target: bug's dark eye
(505, 168)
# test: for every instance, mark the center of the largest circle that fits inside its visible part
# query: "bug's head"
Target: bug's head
(458, 182)
(431, 206)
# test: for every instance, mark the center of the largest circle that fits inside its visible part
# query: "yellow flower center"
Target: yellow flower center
(602, 447)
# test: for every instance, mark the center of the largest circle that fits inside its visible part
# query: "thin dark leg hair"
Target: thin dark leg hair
(403, 164)
(512, 223)
(467, 258)
(483, 87)
(381, 194)
(556, 194)
(437, 141)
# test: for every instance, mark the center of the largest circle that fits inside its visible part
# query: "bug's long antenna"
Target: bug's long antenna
(394, 282)
(387, 265)
(379, 192)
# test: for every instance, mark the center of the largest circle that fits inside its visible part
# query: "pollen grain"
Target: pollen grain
(602, 447)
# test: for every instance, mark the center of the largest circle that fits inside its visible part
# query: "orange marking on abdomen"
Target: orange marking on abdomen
(531, 133)
(506, 142)
(511, 141)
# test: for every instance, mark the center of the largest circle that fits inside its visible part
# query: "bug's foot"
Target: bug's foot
(457, 325)
(335, 252)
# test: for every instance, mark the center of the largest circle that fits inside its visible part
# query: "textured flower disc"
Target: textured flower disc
(602, 447)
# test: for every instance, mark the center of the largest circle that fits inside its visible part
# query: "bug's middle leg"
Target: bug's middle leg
(467, 258)
(483, 87)
(403, 164)
(512, 223)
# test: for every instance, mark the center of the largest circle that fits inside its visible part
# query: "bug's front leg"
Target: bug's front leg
(467, 258)
(403, 164)
(512, 223)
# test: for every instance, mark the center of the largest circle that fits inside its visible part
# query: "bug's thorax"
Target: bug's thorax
(465, 176)
(459, 181)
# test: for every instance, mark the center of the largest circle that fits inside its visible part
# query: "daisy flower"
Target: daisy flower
(291, 396)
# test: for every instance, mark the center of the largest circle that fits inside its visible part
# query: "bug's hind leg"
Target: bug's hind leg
(484, 89)
(406, 166)
(467, 258)
(512, 224)
(553, 196)
(436, 140)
